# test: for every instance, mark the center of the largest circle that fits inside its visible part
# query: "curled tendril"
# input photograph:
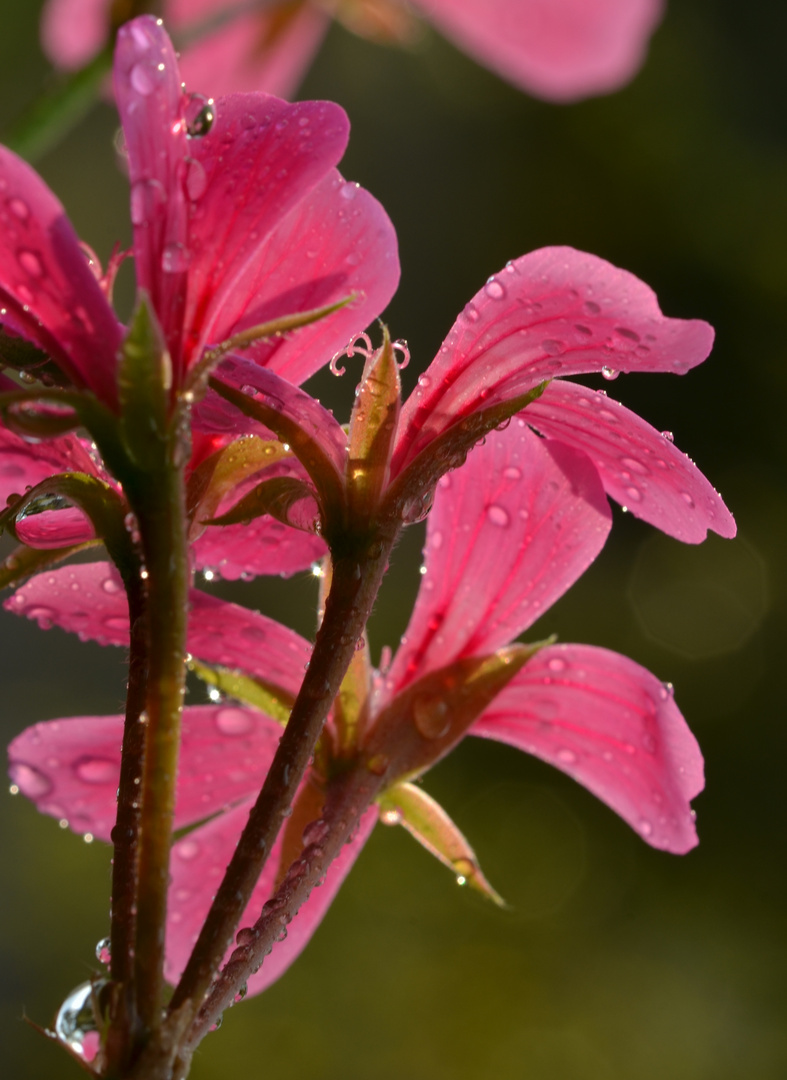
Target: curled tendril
(401, 347)
(351, 349)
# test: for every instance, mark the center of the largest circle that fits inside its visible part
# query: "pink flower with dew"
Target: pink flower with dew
(559, 50)
(553, 313)
(508, 534)
(239, 217)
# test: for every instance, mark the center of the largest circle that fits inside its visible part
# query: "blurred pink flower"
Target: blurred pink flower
(509, 533)
(560, 50)
(239, 217)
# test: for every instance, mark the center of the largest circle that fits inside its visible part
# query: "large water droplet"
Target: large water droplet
(103, 953)
(30, 781)
(144, 75)
(97, 770)
(234, 721)
(431, 716)
(609, 373)
(499, 516)
(75, 1023)
(199, 115)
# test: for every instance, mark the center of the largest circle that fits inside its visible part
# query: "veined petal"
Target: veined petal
(48, 292)
(640, 468)
(196, 867)
(71, 768)
(553, 312)
(337, 242)
(24, 464)
(268, 50)
(260, 158)
(509, 532)
(88, 599)
(614, 728)
(263, 546)
(560, 50)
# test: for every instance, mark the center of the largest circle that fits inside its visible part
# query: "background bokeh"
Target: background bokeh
(614, 962)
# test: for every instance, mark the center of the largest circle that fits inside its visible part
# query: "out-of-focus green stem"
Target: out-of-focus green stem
(53, 115)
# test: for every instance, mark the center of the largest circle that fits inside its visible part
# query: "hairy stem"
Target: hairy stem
(162, 523)
(357, 573)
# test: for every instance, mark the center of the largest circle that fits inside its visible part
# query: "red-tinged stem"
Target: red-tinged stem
(357, 572)
(348, 796)
(161, 514)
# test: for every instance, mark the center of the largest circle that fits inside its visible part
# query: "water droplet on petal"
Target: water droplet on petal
(634, 494)
(143, 77)
(566, 756)
(635, 465)
(471, 313)
(666, 691)
(553, 347)
(196, 179)
(29, 780)
(689, 501)
(234, 721)
(97, 770)
(511, 472)
(199, 115)
(175, 258)
(668, 436)
(494, 289)
(147, 198)
(187, 849)
(609, 373)
(645, 827)
(557, 663)
(591, 307)
(19, 209)
(30, 262)
(110, 586)
(103, 953)
(431, 717)
(498, 516)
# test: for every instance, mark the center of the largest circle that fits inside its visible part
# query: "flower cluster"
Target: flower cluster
(256, 264)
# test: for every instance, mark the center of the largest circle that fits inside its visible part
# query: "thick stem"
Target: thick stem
(162, 522)
(357, 573)
(347, 798)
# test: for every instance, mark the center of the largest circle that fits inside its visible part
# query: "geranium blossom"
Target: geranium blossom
(560, 50)
(239, 218)
(553, 313)
(509, 532)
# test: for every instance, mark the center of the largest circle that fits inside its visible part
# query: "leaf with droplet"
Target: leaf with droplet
(449, 449)
(144, 385)
(373, 429)
(221, 472)
(270, 699)
(282, 497)
(25, 561)
(431, 826)
(306, 808)
(424, 721)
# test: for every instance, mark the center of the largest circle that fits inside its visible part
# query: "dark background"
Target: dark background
(615, 962)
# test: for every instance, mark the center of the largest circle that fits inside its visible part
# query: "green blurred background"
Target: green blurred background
(614, 961)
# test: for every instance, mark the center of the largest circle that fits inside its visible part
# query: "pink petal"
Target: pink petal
(88, 599)
(264, 546)
(55, 528)
(336, 242)
(24, 464)
(150, 102)
(196, 868)
(553, 312)
(48, 290)
(639, 467)
(509, 532)
(611, 725)
(239, 56)
(259, 160)
(73, 31)
(560, 50)
(70, 768)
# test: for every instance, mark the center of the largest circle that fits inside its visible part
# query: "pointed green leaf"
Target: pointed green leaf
(373, 429)
(25, 561)
(421, 724)
(349, 708)
(144, 386)
(268, 698)
(425, 819)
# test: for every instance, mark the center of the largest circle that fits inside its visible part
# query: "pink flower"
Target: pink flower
(553, 313)
(509, 532)
(560, 50)
(239, 217)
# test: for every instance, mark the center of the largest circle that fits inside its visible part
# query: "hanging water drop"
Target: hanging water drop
(103, 952)
(76, 1024)
(609, 373)
(199, 115)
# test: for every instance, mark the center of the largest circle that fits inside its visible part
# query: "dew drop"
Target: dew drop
(494, 289)
(629, 335)
(142, 78)
(30, 262)
(110, 586)
(103, 953)
(199, 115)
(666, 690)
(498, 516)
(634, 494)
(645, 827)
(147, 198)
(511, 472)
(175, 258)
(668, 436)
(349, 191)
(431, 717)
(557, 663)
(609, 373)
(75, 1023)
(591, 307)
(315, 832)
(19, 209)
(96, 770)
(390, 817)
(553, 347)
(635, 465)
(187, 849)
(689, 501)
(566, 756)
(471, 313)
(196, 179)
(30, 781)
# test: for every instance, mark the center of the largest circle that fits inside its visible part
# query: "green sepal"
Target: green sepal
(427, 821)
(105, 508)
(350, 706)
(267, 697)
(276, 497)
(144, 386)
(223, 471)
(373, 429)
(274, 328)
(448, 451)
(423, 722)
(25, 561)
